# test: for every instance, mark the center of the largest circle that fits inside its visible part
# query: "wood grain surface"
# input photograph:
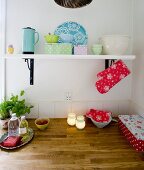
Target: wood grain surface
(62, 147)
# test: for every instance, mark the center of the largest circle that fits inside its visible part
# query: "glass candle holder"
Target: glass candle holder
(80, 122)
(71, 120)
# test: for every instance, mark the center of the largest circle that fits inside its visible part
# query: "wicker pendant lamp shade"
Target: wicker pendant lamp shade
(73, 3)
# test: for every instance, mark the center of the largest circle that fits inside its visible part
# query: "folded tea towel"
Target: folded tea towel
(99, 115)
(111, 76)
(11, 141)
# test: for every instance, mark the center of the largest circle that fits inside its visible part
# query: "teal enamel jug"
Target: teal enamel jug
(29, 40)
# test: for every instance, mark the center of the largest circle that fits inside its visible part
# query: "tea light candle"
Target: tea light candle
(80, 122)
(71, 120)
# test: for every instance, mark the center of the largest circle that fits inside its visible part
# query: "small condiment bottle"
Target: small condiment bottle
(80, 122)
(23, 127)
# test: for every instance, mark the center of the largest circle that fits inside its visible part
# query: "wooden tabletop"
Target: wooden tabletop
(62, 147)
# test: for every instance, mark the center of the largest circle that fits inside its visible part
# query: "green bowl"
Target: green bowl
(97, 51)
(51, 38)
(42, 126)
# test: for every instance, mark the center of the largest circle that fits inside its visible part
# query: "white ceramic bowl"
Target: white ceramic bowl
(100, 124)
(115, 44)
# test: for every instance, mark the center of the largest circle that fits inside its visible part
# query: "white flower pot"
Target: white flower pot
(4, 123)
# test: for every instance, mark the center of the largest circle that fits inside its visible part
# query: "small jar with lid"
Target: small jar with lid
(80, 122)
(71, 120)
(10, 49)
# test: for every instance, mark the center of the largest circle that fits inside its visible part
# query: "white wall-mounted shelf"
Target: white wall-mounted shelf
(69, 57)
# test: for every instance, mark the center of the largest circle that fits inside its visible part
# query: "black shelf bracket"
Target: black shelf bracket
(30, 64)
(109, 62)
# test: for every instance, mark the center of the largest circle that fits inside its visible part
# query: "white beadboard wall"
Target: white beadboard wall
(54, 78)
(138, 64)
(61, 109)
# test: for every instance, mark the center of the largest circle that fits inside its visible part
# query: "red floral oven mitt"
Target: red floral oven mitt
(11, 141)
(111, 76)
(99, 115)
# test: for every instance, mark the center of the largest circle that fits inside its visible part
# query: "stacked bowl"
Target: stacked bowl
(97, 49)
(115, 44)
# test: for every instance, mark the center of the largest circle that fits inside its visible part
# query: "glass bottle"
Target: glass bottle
(23, 127)
(13, 126)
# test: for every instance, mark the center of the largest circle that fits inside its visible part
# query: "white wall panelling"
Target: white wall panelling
(136, 109)
(2, 47)
(46, 109)
(59, 109)
(138, 65)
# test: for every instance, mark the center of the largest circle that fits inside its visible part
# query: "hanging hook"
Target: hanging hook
(30, 64)
(109, 62)
(27, 60)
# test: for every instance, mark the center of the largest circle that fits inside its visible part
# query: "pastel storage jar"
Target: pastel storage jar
(80, 50)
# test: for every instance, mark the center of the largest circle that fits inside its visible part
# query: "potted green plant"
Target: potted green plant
(5, 108)
(19, 105)
(16, 104)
